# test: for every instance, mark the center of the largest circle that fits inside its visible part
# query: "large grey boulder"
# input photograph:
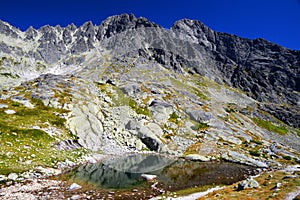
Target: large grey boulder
(198, 114)
(233, 156)
(160, 110)
(150, 138)
(248, 183)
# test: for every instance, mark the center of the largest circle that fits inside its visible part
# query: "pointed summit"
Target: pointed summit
(30, 33)
(119, 23)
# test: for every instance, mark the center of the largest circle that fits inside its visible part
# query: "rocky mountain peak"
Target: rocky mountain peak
(30, 33)
(120, 23)
(196, 31)
(8, 30)
(264, 71)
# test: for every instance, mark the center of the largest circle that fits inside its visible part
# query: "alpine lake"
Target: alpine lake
(122, 177)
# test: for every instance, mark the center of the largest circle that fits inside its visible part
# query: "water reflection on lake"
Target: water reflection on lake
(125, 172)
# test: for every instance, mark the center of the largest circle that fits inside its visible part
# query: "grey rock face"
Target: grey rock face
(265, 71)
(6, 30)
(4, 48)
(30, 33)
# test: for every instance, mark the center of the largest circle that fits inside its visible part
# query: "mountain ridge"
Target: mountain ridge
(254, 66)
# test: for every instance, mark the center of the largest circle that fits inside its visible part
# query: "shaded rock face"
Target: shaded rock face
(265, 71)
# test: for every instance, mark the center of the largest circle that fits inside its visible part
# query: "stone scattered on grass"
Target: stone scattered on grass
(248, 183)
(74, 186)
(10, 112)
(12, 176)
(3, 178)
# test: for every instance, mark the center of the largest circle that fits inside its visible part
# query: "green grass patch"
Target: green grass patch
(254, 153)
(270, 127)
(200, 126)
(287, 157)
(139, 110)
(256, 142)
(25, 149)
(174, 118)
(22, 147)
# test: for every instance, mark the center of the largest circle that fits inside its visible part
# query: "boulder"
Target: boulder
(13, 176)
(74, 186)
(197, 157)
(149, 138)
(10, 112)
(3, 178)
(233, 156)
(198, 114)
(248, 183)
(149, 177)
(160, 111)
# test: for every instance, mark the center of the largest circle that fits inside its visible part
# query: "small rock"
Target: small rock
(289, 177)
(148, 177)
(3, 106)
(75, 197)
(13, 176)
(197, 157)
(277, 186)
(28, 162)
(74, 186)
(10, 112)
(3, 178)
(91, 160)
(248, 183)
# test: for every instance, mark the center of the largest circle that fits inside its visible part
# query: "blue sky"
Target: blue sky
(275, 20)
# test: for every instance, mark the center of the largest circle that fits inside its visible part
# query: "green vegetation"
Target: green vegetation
(256, 142)
(9, 75)
(254, 153)
(181, 85)
(287, 157)
(297, 131)
(200, 126)
(23, 145)
(174, 118)
(270, 127)
(229, 110)
(120, 99)
(200, 94)
(139, 110)
(40, 66)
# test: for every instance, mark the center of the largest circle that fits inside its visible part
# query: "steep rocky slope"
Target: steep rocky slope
(129, 85)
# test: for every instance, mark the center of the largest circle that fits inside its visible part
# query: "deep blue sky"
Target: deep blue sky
(275, 20)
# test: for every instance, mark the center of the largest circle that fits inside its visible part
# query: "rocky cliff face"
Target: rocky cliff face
(130, 85)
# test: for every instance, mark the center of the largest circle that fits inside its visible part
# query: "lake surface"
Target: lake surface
(125, 172)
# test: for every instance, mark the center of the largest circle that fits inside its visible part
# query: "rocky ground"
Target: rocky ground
(278, 184)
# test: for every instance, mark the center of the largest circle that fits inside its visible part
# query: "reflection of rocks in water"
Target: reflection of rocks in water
(140, 163)
(188, 174)
(103, 176)
(121, 172)
(125, 172)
